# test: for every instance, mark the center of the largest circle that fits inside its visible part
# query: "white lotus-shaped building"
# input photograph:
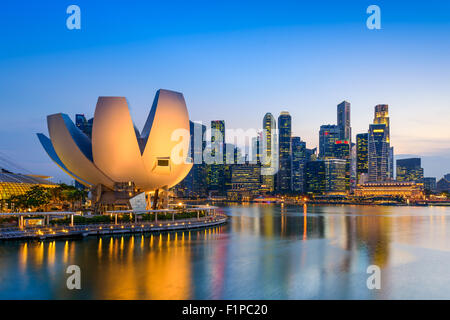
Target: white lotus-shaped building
(117, 152)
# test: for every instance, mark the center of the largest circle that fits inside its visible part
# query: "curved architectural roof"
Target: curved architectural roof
(154, 159)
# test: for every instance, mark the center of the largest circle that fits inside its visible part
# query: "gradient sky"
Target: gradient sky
(233, 60)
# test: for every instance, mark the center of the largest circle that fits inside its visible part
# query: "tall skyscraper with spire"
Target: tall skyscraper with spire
(284, 147)
(343, 121)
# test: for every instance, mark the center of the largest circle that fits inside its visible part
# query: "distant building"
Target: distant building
(447, 177)
(409, 170)
(343, 121)
(284, 147)
(429, 184)
(328, 135)
(298, 160)
(387, 189)
(378, 153)
(362, 155)
(443, 185)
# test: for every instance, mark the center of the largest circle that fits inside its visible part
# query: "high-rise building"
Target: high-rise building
(378, 153)
(328, 135)
(382, 117)
(343, 121)
(336, 182)
(269, 126)
(342, 151)
(315, 177)
(216, 171)
(195, 184)
(362, 155)
(409, 170)
(245, 181)
(429, 184)
(298, 160)
(325, 177)
(284, 146)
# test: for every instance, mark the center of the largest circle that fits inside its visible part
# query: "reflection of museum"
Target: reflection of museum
(114, 159)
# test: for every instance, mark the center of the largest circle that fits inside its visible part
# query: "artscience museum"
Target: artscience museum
(119, 162)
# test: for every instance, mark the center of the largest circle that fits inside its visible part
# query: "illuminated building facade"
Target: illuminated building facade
(326, 177)
(407, 190)
(245, 182)
(378, 153)
(362, 155)
(342, 151)
(284, 146)
(298, 160)
(328, 135)
(382, 117)
(14, 184)
(409, 170)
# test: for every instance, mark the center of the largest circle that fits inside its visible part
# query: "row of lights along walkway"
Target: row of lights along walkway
(212, 218)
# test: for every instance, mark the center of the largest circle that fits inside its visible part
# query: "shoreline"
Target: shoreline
(109, 229)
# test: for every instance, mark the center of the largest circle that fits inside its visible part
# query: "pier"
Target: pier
(47, 231)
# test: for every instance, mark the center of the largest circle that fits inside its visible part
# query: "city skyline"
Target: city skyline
(265, 59)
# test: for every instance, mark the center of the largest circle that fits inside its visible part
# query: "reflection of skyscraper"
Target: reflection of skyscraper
(382, 117)
(328, 135)
(269, 126)
(378, 153)
(409, 170)
(284, 145)
(298, 159)
(362, 155)
(343, 121)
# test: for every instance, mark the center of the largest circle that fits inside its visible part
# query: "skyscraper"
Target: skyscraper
(382, 117)
(409, 170)
(284, 145)
(298, 159)
(343, 121)
(269, 126)
(342, 151)
(362, 155)
(328, 135)
(378, 153)
(216, 171)
(325, 177)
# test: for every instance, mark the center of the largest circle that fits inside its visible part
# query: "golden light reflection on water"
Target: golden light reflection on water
(260, 244)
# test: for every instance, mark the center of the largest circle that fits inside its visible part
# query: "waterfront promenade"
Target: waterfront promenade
(48, 231)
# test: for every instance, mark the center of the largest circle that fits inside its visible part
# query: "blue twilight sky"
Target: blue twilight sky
(233, 60)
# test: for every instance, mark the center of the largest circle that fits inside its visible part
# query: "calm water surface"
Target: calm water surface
(264, 252)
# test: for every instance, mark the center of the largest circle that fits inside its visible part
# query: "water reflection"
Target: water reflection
(265, 252)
